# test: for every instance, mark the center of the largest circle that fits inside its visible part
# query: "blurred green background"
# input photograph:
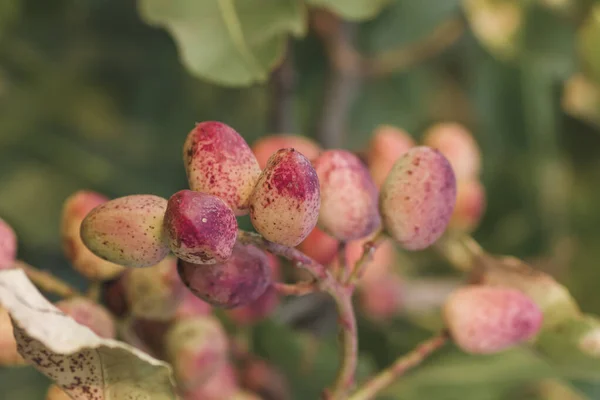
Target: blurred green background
(91, 97)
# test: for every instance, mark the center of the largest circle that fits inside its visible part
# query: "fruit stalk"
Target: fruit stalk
(386, 377)
(342, 295)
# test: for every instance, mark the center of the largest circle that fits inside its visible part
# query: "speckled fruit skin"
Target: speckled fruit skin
(8, 245)
(485, 319)
(221, 385)
(218, 161)
(456, 143)
(266, 146)
(75, 208)
(320, 246)
(154, 292)
(284, 206)
(349, 208)
(470, 205)
(417, 198)
(237, 282)
(128, 230)
(197, 348)
(201, 228)
(387, 144)
(89, 314)
(8, 346)
(56, 393)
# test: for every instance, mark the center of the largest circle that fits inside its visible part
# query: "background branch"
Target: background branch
(282, 88)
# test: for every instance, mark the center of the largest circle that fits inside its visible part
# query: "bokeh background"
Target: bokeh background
(92, 97)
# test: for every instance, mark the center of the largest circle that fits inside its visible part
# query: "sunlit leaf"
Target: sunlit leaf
(352, 9)
(84, 365)
(234, 43)
(496, 24)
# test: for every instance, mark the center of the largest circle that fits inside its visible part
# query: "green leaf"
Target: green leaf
(589, 43)
(497, 25)
(355, 10)
(234, 43)
(487, 377)
(573, 346)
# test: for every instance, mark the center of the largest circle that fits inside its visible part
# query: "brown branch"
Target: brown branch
(296, 289)
(282, 86)
(386, 377)
(442, 37)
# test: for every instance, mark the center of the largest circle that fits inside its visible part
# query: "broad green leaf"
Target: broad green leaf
(581, 99)
(456, 375)
(231, 42)
(573, 346)
(84, 365)
(352, 9)
(497, 24)
(589, 43)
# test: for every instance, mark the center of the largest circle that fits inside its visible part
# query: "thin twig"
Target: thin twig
(282, 85)
(369, 249)
(296, 289)
(342, 295)
(348, 337)
(343, 80)
(94, 290)
(386, 377)
(46, 281)
(441, 38)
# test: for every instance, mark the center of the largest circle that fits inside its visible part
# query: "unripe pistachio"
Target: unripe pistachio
(470, 205)
(86, 312)
(387, 144)
(263, 378)
(348, 196)
(201, 228)
(218, 161)
(238, 281)
(266, 146)
(8, 245)
(485, 319)
(417, 199)
(284, 206)
(221, 385)
(192, 306)
(9, 355)
(127, 230)
(381, 299)
(320, 246)
(154, 292)
(197, 348)
(56, 393)
(457, 144)
(75, 208)
(256, 311)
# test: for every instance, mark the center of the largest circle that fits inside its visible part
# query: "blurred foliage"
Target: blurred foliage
(93, 97)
